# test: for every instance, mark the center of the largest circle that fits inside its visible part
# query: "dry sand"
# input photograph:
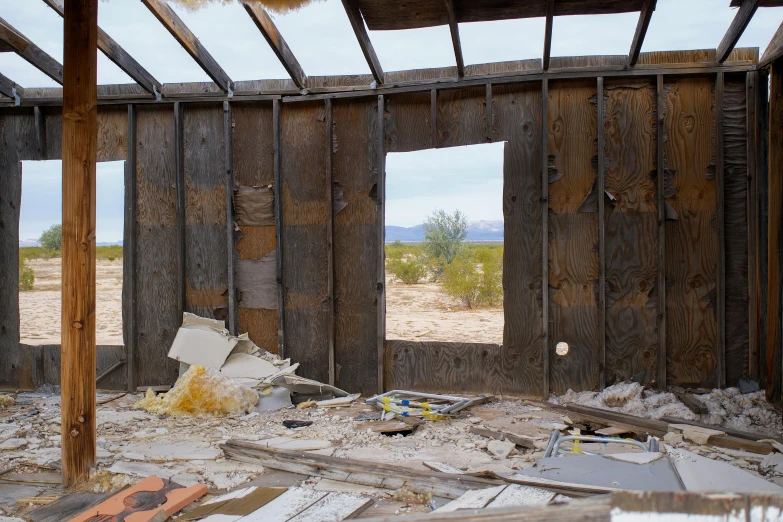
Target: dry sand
(421, 312)
(39, 309)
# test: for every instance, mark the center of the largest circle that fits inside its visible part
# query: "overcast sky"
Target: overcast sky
(323, 42)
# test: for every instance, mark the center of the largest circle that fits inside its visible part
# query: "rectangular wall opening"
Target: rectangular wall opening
(40, 258)
(444, 244)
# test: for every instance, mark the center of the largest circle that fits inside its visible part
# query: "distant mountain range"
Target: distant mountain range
(36, 243)
(477, 231)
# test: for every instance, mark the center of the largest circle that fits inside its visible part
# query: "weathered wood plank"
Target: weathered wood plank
(454, 29)
(380, 263)
(461, 117)
(357, 23)
(275, 40)
(601, 188)
(641, 31)
(691, 238)
(10, 88)
(129, 242)
(278, 187)
(737, 27)
(774, 227)
(330, 209)
(774, 49)
(157, 246)
(408, 122)
(762, 194)
(545, 240)
(573, 244)
(112, 133)
(181, 191)
(36, 56)
(632, 242)
(305, 207)
(720, 310)
(550, 19)
(660, 164)
(521, 357)
(355, 169)
(751, 153)
(228, 158)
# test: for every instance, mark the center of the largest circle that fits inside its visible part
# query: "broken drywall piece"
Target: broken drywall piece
(702, 474)
(198, 341)
(518, 495)
(244, 366)
(254, 206)
(473, 499)
(256, 281)
(307, 387)
(695, 434)
(339, 401)
(273, 398)
(443, 468)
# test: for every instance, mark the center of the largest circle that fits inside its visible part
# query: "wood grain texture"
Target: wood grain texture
(206, 256)
(304, 238)
(112, 133)
(736, 229)
(354, 167)
(380, 249)
(754, 281)
(691, 239)
(228, 180)
(10, 203)
(720, 310)
(408, 122)
(762, 187)
(129, 265)
(253, 144)
(774, 49)
(521, 126)
(573, 244)
(462, 117)
(631, 232)
(774, 227)
(661, 202)
(156, 247)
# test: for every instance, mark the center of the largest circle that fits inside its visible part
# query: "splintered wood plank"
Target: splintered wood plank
(408, 122)
(735, 189)
(462, 116)
(691, 238)
(156, 246)
(573, 245)
(335, 506)
(354, 171)
(253, 144)
(206, 256)
(631, 232)
(305, 206)
(286, 506)
(520, 125)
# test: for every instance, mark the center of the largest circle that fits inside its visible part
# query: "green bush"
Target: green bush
(26, 276)
(444, 234)
(52, 238)
(475, 280)
(409, 271)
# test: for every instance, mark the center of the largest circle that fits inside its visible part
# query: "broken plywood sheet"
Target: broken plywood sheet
(473, 499)
(288, 443)
(256, 281)
(702, 474)
(334, 507)
(235, 504)
(244, 366)
(286, 506)
(254, 206)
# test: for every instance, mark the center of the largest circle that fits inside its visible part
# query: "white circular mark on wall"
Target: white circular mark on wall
(561, 348)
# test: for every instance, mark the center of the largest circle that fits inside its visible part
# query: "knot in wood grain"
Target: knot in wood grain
(74, 433)
(77, 324)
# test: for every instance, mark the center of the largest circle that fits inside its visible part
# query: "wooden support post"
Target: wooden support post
(751, 97)
(434, 117)
(230, 247)
(129, 254)
(40, 131)
(774, 49)
(762, 185)
(277, 43)
(545, 238)
(10, 88)
(721, 283)
(278, 165)
(490, 122)
(549, 22)
(601, 237)
(455, 40)
(330, 237)
(641, 31)
(359, 29)
(661, 189)
(79, 145)
(179, 182)
(381, 224)
(737, 27)
(36, 56)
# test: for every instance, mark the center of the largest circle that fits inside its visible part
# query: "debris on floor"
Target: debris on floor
(6, 401)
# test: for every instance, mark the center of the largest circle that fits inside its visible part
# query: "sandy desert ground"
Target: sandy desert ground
(421, 312)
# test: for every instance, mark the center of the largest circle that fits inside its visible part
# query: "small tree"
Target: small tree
(444, 234)
(52, 238)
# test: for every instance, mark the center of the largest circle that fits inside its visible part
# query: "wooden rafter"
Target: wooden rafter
(7, 87)
(774, 49)
(117, 54)
(277, 43)
(357, 22)
(550, 19)
(31, 52)
(641, 31)
(188, 40)
(737, 27)
(454, 28)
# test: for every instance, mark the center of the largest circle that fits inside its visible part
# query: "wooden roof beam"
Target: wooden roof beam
(357, 22)
(31, 52)
(774, 49)
(277, 43)
(9, 88)
(188, 40)
(454, 28)
(550, 19)
(641, 31)
(737, 27)
(118, 55)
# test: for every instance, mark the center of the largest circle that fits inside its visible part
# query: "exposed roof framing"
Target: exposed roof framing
(763, 3)
(357, 22)
(278, 44)
(188, 40)
(454, 28)
(118, 55)
(641, 31)
(31, 52)
(550, 20)
(737, 27)
(9, 88)
(774, 49)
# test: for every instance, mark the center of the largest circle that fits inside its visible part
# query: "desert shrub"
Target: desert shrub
(491, 281)
(110, 252)
(475, 280)
(410, 271)
(26, 276)
(52, 238)
(444, 234)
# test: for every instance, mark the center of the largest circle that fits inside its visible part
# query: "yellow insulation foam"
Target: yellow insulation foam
(201, 393)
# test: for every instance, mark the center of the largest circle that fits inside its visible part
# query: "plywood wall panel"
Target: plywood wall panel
(462, 117)
(408, 124)
(355, 171)
(157, 295)
(691, 238)
(631, 231)
(113, 133)
(573, 233)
